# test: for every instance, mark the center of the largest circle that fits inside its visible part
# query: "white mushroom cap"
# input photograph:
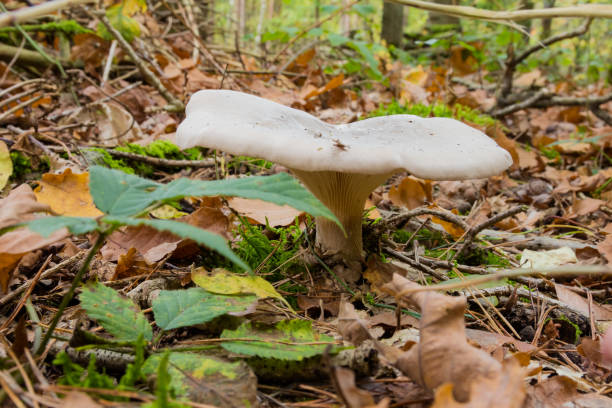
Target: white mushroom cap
(431, 148)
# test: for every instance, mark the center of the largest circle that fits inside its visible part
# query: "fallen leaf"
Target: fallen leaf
(19, 206)
(547, 259)
(585, 206)
(6, 165)
(76, 399)
(344, 382)
(411, 192)
(505, 389)
(227, 283)
(262, 212)
(443, 354)
(332, 84)
(561, 391)
(130, 264)
(605, 248)
(67, 194)
(575, 301)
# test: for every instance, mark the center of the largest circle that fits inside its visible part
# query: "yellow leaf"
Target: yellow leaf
(67, 194)
(6, 165)
(167, 212)
(225, 282)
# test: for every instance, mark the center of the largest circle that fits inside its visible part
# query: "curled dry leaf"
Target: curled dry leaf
(443, 354)
(344, 382)
(353, 328)
(498, 390)
(411, 192)
(561, 391)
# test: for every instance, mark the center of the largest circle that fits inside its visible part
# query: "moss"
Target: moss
(161, 149)
(457, 111)
(22, 165)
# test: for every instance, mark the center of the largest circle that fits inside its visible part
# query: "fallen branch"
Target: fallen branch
(29, 13)
(155, 161)
(442, 214)
(581, 11)
(472, 232)
(415, 264)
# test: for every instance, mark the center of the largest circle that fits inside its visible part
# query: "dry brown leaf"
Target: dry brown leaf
(574, 300)
(411, 192)
(529, 160)
(605, 248)
(496, 133)
(19, 205)
(505, 389)
(561, 391)
(332, 84)
(344, 382)
(67, 194)
(76, 399)
(154, 245)
(453, 229)
(258, 211)
(443, 354)
(585, 206)
(130, 264)
(490, 341)
(350, 325)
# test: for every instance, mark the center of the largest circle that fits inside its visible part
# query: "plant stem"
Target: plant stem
(75, 282)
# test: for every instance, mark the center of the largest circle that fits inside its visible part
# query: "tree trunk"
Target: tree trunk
(392, 29)
(547, 21)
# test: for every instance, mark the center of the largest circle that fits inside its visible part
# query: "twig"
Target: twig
(513, 61)
(68, 263)
(20, 106)
(415, 264)
(445, 215)
(155, 161)
(472, 232)
(512, 273)
(174, 104)
(580, 11)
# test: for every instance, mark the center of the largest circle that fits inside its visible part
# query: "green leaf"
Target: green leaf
(180, 308)
(118, 193)
(183, 230)
(184, 368)
(118, 315)
(228, 283)
(289, 340)
(46, 226)
(121, 21)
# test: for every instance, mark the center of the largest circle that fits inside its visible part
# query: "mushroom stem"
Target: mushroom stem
(345, 195)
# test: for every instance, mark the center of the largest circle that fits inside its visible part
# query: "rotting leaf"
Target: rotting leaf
(263, 213)
(225, 282)
(288, 340)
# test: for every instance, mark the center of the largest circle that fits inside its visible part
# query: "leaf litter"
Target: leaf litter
(517, 350)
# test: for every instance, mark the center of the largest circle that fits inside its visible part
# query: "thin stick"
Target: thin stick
(581, 11)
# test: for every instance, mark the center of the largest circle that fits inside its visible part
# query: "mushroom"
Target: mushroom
(339, 164)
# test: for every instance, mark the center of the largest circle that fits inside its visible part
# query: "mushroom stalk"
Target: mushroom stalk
(345, 195)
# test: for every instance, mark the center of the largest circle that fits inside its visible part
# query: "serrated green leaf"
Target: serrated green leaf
(184, 368)
(228, 283)
(180, 308)
(118, 193)
(289, 340)
(183, 230)
(46, 226)
(118, 315)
